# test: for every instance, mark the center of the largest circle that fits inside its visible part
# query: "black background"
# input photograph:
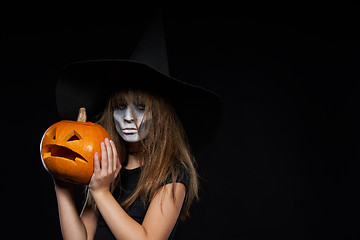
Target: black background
(285, 162)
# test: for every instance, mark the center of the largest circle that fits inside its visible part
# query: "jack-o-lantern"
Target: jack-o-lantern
(68, 147)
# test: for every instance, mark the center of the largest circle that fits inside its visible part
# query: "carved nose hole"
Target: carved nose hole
(73, 136)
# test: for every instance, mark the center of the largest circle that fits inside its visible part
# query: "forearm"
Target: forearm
(72, 227)
(120, 223)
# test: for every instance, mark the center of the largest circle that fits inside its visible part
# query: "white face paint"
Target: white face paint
(125, 122)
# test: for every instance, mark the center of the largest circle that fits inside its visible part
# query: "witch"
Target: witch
(147, 178)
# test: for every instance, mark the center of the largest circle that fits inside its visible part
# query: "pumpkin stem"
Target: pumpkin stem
(82, 115)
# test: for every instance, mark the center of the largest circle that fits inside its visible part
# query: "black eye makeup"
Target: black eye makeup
(140, 107)
(122, 106)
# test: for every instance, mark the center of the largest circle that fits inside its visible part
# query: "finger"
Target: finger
(96, 162)
(109, 155)
(115, 155)
(104, 159)
(118, 167)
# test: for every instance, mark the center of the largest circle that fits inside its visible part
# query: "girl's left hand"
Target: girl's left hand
(105, 173)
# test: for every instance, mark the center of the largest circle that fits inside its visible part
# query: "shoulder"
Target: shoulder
(179, 175)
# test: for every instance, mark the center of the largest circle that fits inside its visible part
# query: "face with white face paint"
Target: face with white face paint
(128, 118)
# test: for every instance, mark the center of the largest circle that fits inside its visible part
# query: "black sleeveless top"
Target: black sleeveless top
(137, 211)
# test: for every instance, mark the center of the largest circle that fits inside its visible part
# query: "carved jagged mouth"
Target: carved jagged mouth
(61, 152)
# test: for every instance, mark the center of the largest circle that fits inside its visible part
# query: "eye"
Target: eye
(140, 107)
(122, 106)
(51, 133)
(73, 136)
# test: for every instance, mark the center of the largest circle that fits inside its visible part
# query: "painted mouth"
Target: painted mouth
(129, 130)
(61, 152)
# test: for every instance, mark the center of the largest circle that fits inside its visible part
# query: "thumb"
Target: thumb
(118, 167)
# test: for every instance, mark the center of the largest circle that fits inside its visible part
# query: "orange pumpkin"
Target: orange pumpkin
(68, 148)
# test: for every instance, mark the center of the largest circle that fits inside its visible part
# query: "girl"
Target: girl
(146, 179)
(157, 180)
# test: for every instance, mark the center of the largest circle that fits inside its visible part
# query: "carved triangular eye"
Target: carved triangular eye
(73, 136)
(51, 133)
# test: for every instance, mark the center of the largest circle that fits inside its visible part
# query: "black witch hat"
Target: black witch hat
(90, 84)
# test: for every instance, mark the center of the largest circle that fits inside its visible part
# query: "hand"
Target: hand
(110, 167)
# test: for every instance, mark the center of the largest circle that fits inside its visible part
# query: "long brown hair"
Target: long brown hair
(165, 148)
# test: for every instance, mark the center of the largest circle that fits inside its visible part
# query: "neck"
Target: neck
(133, 162)
(135, 147)
(134, 157)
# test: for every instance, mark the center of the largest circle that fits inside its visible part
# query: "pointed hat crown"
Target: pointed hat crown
(151, 49)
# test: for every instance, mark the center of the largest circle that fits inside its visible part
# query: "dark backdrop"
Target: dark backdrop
(285, 162)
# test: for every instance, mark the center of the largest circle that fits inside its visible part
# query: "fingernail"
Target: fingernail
(106, 139)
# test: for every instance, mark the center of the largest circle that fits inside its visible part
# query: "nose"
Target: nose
(128, 116)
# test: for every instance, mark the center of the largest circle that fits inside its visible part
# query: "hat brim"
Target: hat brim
(90, 84)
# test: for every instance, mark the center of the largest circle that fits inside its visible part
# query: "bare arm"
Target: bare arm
(72, 226)
(90, 220)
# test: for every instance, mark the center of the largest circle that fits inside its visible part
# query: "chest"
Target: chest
(128, 182)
